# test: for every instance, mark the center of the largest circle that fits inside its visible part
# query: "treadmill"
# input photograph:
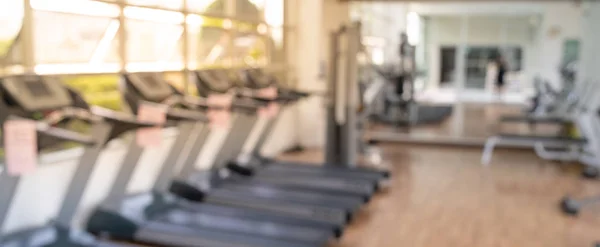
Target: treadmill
(256, 79)
(211, 82)
(162, 218)
(31, 96)
(262, 195)
(327, 209)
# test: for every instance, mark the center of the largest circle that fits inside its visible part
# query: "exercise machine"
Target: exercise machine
(574, 113)
(570, 205)
(397, 105)
(31, 96)
(256, 79)
(208, 217)
(286, 180)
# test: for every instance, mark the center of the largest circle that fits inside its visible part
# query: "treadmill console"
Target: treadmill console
(258, 78)
(151, 85)
(215, 80)
(36, 93)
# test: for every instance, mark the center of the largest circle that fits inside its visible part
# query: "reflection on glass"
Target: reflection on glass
(209, 46)
(100, 90)
(75, 38)
(156, 44)
(249, 49)
(207, 6)
(166, 4)
(11, 20)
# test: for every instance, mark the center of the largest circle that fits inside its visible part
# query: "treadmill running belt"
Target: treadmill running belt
(179, 236)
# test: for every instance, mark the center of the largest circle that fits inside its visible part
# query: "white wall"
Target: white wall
(566, 19)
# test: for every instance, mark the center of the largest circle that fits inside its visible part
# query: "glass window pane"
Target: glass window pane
(165, 4)
(249, 49)
(100, 90)
(246, 27)
(273, 12)
(209, 46)
(176, 79)
(11, 20)
(208, 6)
(204, 21)
(276, 45)
(13, 53)
(154, 43)
(79, 7)
(72, 38)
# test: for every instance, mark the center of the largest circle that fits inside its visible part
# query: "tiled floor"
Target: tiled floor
(443, 197)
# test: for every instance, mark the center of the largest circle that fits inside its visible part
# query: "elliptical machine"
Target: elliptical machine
(398, 104)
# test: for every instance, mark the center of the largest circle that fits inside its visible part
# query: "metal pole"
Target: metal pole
(349, 138)
(331, 148)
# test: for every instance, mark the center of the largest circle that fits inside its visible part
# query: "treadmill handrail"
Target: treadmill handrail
(65, 134)
(71, 113)
(120, 117)
(45, 128)
(243, 104)
(202, 103)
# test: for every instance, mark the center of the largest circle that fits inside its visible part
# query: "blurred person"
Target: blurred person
(502, 68)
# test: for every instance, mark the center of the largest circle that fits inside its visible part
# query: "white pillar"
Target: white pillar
(309, 58)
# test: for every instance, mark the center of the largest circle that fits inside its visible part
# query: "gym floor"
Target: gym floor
(442, 196)
(472, 121)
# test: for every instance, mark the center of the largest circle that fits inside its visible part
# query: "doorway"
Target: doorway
(448, 65)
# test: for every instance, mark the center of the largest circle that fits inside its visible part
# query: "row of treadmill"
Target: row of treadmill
(260, 202)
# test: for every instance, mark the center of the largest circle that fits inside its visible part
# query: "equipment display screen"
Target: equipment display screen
(37, 88)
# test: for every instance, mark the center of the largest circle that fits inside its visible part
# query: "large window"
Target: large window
(85, 43)
(249, 49)
(208, 46)
(74, 37)
(69, 38)
(152, 44)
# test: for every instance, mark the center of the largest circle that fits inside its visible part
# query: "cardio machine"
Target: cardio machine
(329, 209)
(28, 96)
(257, 79)
(334, 180)
(213, 219)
